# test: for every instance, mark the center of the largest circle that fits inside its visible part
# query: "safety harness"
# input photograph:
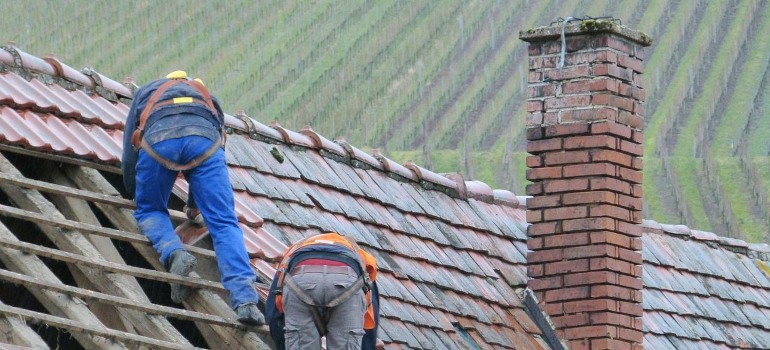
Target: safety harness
(320, 312)
(138, 140)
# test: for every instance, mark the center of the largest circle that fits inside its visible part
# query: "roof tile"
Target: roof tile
(67, 72)
(431, 230)
(481, 209)
(349, 176)
(370, 233)
(322, 142)
(443, 205)
(267, 208)
(372, 190)
(6, 57)
(276, 158)
(416, 193)
(389, 286)
(394, 192)
(251, 128)
(31, 62)
(390, 166)
(395, 330)
(417, 333)
(293, 138)
(495, 335)
(358, 156)
(244, 153)
(437, 341)
(413, 293)
(378, 213)
(514, 276)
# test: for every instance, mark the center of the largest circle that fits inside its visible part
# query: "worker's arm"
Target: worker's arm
(370, 337)
(275, 319)
(130, 155)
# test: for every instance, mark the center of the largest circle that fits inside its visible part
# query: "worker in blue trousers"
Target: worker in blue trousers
(175, 125)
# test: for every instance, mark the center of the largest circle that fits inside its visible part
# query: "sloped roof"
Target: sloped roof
(452, 252)
(702, 291)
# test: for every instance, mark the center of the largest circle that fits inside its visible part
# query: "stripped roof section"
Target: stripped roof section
(452, 253)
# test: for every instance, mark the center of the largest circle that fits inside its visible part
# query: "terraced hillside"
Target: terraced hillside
(443, 82)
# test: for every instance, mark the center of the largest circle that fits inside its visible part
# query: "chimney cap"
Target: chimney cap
(584, 26)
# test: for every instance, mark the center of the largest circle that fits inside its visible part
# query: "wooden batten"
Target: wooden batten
(86, 294)
(93, 331)
(203, 301)
(69, 222)
(89, 229)
(55, 302)
(66, 191)
(75, 242)
(18, 332)
(106, 266)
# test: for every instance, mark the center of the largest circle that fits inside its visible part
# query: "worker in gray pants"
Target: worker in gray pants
(323, 283)
(324, 286)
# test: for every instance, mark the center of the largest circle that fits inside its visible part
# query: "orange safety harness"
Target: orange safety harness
(321, 314)
(137, 139)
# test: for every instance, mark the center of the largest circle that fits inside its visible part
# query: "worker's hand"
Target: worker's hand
(380, 344)
(259, 254)
(274, 259)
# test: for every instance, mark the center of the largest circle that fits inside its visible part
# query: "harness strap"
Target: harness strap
(153, 104)
(182, 167)
(364, 274)
(320, 321)
(285, 263)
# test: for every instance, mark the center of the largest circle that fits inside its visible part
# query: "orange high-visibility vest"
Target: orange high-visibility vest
(368, 262)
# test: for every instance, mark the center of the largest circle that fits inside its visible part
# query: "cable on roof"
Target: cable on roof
(564, 41)
(564, 22)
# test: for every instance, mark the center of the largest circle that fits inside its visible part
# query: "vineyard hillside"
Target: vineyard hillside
(443, 83)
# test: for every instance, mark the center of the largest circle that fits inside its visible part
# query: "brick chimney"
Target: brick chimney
(585, 140)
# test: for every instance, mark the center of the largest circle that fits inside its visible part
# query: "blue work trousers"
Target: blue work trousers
(210, 184)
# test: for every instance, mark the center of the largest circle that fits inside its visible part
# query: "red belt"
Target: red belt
(321, 262)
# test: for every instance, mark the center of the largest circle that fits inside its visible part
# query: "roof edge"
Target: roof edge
(51, 70)
(752, 250)
(541, 319)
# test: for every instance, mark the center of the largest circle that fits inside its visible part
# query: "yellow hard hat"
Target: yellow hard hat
(180, 74)
(177, 74)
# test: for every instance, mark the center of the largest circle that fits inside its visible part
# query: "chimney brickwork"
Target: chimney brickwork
(584, 136)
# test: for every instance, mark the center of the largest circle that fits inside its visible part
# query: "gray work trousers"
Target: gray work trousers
(345, 328)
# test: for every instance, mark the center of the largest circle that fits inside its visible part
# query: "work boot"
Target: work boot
(249, 314)
(194, 215)
(181, 263)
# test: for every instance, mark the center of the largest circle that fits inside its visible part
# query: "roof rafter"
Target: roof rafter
(201, 300)
(76, 242)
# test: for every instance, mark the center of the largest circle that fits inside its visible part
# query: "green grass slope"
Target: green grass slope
(443, 83)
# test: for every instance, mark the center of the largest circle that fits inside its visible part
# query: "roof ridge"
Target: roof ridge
(51, 70)
(752, 250)
(452, 184)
